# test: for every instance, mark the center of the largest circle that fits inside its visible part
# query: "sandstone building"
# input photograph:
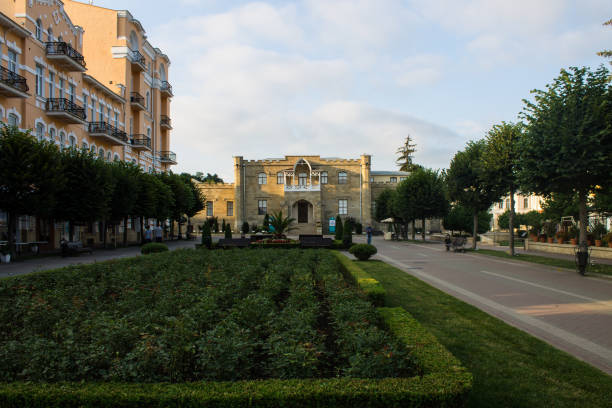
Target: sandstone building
(310, 189)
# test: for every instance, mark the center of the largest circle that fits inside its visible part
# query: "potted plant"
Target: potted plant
(5, 254)
(590, 239)
(542, 237)
(573, 235)
(608, 239)
(551, 230)
(561, 237)
(599, 231)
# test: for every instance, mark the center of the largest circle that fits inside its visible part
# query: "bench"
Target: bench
(458, 244)
(234, 243)
(74, 248)
(315, 241)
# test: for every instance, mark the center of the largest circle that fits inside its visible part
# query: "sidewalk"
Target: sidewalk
(99, 255)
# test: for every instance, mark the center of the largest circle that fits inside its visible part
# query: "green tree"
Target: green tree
(85, 196)
(559, 205)
(405, 155)
(384, 205)
(533, 219)
(245, 227)
(228, 231)
(403, 207)
(347, 233)
(125, 193)
(206, 235)
(568, 143)
(199, 200)
(183, 198)
(146, 199)
(339, 228)
(606, 53)
(468, 185)
(459, 218)
(30, 176)
(500, 159)
(164, 199)
(281, 224)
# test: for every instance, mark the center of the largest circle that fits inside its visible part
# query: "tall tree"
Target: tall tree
(467, 183)
(183, 198)
(403, 206)
(125, 193)
(606, 53)
(501, 165)
(459, 218)
(405, 155)
(30, 175)
(146, 199)
(568, 143)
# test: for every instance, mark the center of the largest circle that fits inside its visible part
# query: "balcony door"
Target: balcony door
(302, 179)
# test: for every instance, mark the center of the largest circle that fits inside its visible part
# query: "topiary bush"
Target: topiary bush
(347, 235)
(153, 247)
(228, 231)
(363, 252)
(245, 227)
(206, 236)
(339, 229)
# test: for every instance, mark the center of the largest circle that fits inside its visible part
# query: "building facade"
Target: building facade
(310, 189)
(84, 76)
(522, 204)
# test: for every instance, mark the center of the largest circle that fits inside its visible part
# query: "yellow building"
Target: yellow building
(522, 204)
(84, 76)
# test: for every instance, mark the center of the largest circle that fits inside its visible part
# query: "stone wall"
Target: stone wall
(567, 249)
(219, 194)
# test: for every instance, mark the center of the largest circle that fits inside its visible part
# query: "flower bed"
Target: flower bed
(108, 334)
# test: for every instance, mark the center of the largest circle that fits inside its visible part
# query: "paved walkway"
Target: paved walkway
(545, 254)
(99, 255)
(559, 306)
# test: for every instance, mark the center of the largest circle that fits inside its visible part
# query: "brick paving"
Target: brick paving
(569, 311)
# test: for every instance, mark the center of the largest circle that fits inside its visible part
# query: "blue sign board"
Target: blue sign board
(332, 225)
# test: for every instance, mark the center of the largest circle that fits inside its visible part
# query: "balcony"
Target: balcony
(165, 89)
(302, 188)
(141, 142)
(137, 60)
(164, 122)
(65, 110)
(107, 132)
(137, 101)
(65, 56)
(12, 85)
(167, 157)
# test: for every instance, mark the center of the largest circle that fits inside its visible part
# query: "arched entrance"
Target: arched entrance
(302, 211)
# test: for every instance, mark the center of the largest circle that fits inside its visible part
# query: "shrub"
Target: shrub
(339, 228)
(153, 247)
(359, 228)
(363, 252)
(228, 231)
(373, 290)
(245, 227)
(347, 235)
(206, 237)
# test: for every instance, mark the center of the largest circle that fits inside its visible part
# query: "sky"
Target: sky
(339, 78)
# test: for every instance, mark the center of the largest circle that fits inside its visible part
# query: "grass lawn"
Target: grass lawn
(561, 263)
(511, 368)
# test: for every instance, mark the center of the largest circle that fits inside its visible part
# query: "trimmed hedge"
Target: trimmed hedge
(363, 252)
(153, 247)
(373, 290)
(283, 245)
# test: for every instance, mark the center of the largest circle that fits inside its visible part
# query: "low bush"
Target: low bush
(373, 290)
(153, 247)
(363, 252)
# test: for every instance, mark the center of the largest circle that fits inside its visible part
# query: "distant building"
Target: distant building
(522, 204)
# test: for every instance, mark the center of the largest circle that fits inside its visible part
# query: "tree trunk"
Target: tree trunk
(179, 230)
(582, 243)
(12, 223)
(423, 228)
(171, 229)
(511, 221)
(104, 234)
(142, 238)
(125, 233)
(71, 231)
(413, 231)
(475, 230)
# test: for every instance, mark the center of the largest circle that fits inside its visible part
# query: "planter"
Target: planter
(598, 242)
(560, 240)
(609, 244)
(551, 240)
(542, 239)
(574, 241)
(589, 242)
(533, 238)
(6, 258)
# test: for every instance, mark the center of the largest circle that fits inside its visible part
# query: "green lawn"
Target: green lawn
(561, 263)
(511, 368)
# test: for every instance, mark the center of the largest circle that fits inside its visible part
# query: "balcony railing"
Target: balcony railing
(166, 88)
(167, 157)
(63, 107)
(12, 84)
(141, 142)
(138, 60)
(164, 121)
(303, 187)
(137, 100)
(108, 132)
(65, 55)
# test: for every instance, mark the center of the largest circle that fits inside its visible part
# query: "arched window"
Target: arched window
(39, 30)
(133, 41)
(262, 178)
(342, 178)
(52, 134)
(62, 140)
(85, 146)
(12, 119)
(50, 34)
(101, 153)
(92, 149)
(40, 131)
(149, 133)
(150, 170)
(73, 141)
(60, 39)
(116, 157)
(108, 156)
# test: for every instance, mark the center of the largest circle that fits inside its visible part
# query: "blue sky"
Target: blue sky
(345, 77)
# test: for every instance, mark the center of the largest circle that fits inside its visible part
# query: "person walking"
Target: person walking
(158, 233)
(369, 234)
(148, 234)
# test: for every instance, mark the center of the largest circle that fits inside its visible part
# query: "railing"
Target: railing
(168, 156)
(304, 187)
(120, 134)
(141, 140)
(135, 97)
(62, 48)
(14, 80)
(165, 121)
(64, 105)
(107, 129)
(166, 87)
(137, 57)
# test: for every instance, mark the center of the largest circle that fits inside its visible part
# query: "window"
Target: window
(92, 149)
(403, 178)
(101, 113)
(61, 88)
(526, 202)
(116, 157)
(342, 207)
(148, 101)
(50, 34)
(73, 141)
(230, 208)
(62, 140)
(40, 131)
(85, 105)
(52, 134)
(324, 177)
(101, 153)
(209, 208)
(262, 207)
(51, 85)
(116, 120)
(342, 177)
(71, 93)
(85, 146)
(93, 110)
(39, 81)
(393, 179)
(262, 178)
(507, 203)
(302, 177)
(39, 30)
(12, 61)
(108, 116)
(108, 156)
(12, 119)
(280, 178)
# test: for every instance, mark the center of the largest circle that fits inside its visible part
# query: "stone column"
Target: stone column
(366, 193)
(239, 199)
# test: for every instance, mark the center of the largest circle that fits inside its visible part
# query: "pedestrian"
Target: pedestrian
(369, 234)
(447, 242)
(148, 234)
(158, 234)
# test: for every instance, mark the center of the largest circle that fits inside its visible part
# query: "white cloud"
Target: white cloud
(420, 70)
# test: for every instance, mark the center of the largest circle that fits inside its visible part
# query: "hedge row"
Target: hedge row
(370, 286)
